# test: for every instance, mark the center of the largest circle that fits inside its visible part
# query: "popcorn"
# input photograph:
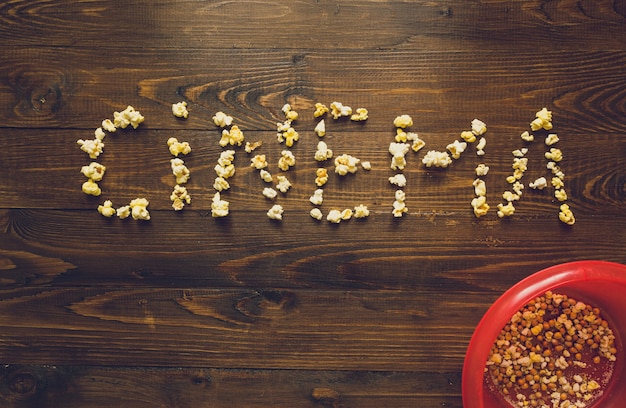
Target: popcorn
(456, 148)
(322, 177)
(179, 197)
(480, 188)
(108, 126)
(401, 136)
(320, 128)
(99, 133)
(337, 109)
(226, 158)
(480, 206)
(320, 110)
(543, 120)
(551, 139)
(366, 165)
(290, 114)
(554, 154)
(232, 137)
(270, 193)
(317, 198)
(510, 196)
(323, 152)
(181, 172)
(478, 127)
(266, 176)
(527, 137)
(90, 187)
(180, 110)
(360, 115)
(221, 184)
(334, 216)
(252, 146)
(276, 212)
(566, 215)
(123, 212)
(398, 152)
(289, 137)
(557, 182)
(361, 211)
(283, 184)
(398, 180)
(520, 152)
(538, 184)
(128, 116)
(346, 214)
(480, 146)
(92, 147)
(345, 164)
(437, 159)
(468, 136)
(287, 160)
(106, 209)
(222, 171)
(399, 207)
(139, 209)
(403, 121)
(506, 210)
(222, 120)
(316, 213)
(560, 195)
(219, 207)
(482, 170)
(95, 171)
(259, 162)
(177, 147)
(416, 143)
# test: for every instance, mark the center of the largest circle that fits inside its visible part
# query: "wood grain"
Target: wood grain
(190, 311)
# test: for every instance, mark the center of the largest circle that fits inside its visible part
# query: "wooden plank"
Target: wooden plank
(234, 328)
(79, 386)
(531, 25)
(444, 91)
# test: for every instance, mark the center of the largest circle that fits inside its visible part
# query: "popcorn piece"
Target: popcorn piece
(334, 216)
(554, 154)
(92, 147)
(399, 207)
(398, 152)
(139, 209)
(318, 197)
(480, 206)
(320, 128)
(123, 212)
(518, 187)
(361, 211)
(401, 136)
(398, 180)
(337, 109)
(317, 214)
(416, 143)
(360, 115)
(551, 139)
(90, 187)
(180, 110)
(480, 146)
(510, 196)
(560, 195)
(222, 120)
(181, 172)
(290, 114)
(345, 164)
(480, 188)
(566, 215)
(219, 207)
(456, 148)
(482, 170)
(108, 126)
(539, 184)
(287, 160)
(543, 120)
(252, 146)
(95, 171)
(323, 152)
(266, 176)
(468, 136)
(366, 165)
(557, 182)
(270, 193)
(322, 176)
(320, 110)
(289, 136)
(99, 134)
(179, 197)
(506, 210)
(527, 137)
(478, 127)
(222, 171)
(276, 212)
(120, 120)
(128, 116)
(346, 214)
(233, 137)
(520, 152)
(437, 159)
(220, 184)
(283, 184)
(177, 147)
(403, 121)
(226, 158)
(106, 209)
(259, 162)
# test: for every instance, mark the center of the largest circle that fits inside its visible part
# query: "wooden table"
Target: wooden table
(189, 310)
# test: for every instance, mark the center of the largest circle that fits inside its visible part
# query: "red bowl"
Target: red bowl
(599, 283)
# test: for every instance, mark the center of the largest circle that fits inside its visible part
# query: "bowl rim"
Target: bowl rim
(513, 299)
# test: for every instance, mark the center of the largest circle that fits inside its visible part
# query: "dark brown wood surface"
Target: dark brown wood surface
(186, 310)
